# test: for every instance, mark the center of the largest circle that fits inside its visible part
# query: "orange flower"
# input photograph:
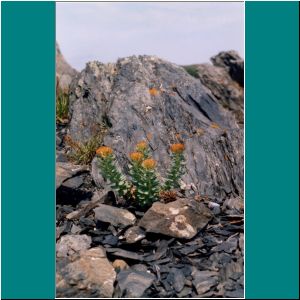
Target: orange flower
(177, 148)
(149, 164)
(153, 92)
(104, 151)
(136, 156)
(214, 125)
(141, 146)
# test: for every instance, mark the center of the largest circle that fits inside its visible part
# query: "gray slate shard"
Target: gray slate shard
(176, 279)
(133, 283)
(114, 215)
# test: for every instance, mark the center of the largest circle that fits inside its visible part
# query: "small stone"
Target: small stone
(241, 243)
(69, 245)
(176, 279)
(75, 229)
(204, 281)
(110, 240)
(74, 182)
(233, 206)
(235, 294)
(228, 246)
(133, 284)
(120, 265)
(185, 292)
(124, 253)
(134, 234)
(116, 216)
(139, 267)
(65, 171)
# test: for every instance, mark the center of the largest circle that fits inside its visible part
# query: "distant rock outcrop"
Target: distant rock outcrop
(225, 79)
(64, 72)
(147, 98)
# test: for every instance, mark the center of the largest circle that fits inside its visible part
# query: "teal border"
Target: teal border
(28, 150)
(28, 145)
(272, 149)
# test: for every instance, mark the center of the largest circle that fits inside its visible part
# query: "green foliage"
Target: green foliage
(110, 172)
(175, 172)
(144, 186)
(62, 106)
(83, 153)
(192, 70)
(145, 182)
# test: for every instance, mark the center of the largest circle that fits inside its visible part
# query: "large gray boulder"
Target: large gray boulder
(147, 98)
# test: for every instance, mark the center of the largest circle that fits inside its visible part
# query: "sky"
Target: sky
(183, 33)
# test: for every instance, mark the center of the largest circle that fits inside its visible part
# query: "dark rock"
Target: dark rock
(113, 215)
(231, 61)
(110, 240)
(124, 253)
(69, 245)
(87, 222)
(204, 281)
(65, 171)
(118, 95)
(160, 252)
(134, 283)
(182, 218)
(139, 267)
(189, 250)
(185, 292)
(74, 182)
(134, 234)
(176, 279)
(228, 246)
(89, 276)
(241, 243)
(234, 294)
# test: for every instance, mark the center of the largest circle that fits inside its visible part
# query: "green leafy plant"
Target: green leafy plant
(192, 70)
(144, 179)
(83, 153)
(110, 172)
(144, 185)
(62, 107)
(177, 167)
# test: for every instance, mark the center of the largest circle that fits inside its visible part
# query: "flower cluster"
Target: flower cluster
(110, 172)
(144, 185)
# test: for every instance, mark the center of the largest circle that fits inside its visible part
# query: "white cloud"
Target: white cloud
(183, 33)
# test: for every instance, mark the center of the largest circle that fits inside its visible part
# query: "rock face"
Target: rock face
(182, 218)
(225, 80)
(64, 72)
(146, 98)
(91, 275)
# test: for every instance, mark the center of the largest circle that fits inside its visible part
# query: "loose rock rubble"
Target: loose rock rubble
(141, 256)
